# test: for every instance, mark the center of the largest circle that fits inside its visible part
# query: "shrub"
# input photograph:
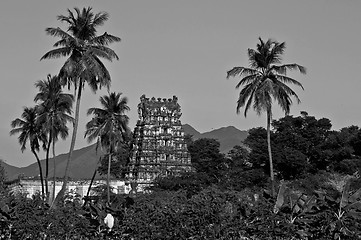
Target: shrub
(348, 166)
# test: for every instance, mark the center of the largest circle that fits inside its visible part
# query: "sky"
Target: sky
(185, 48)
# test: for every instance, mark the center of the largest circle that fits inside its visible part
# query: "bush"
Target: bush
(240, 179)
(31, 218)
(308, 183)
(348, 166)
(190, 182)
(210, 214)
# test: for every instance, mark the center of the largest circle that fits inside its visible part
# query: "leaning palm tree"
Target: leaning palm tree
(30, 131)
(83, 49)
(109, 126)
(55, 108)
(265, 81)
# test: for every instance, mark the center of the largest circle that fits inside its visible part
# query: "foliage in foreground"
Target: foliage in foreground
(333, 211)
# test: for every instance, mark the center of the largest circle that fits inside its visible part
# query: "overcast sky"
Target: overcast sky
(185, 48)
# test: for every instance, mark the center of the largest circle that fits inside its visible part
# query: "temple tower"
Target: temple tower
(159, 147)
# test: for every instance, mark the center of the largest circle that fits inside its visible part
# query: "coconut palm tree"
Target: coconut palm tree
(109, 126)
(83, 49)
(265, 81)
(30, 131)
(54, 111)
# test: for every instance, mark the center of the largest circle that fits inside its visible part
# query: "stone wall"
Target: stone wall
(31, 187)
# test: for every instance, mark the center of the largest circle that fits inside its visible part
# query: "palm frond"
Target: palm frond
(241, 71)
(56, 53)
(284, 100)
(17, 122)
(100, 18)
(61, 43)
(16, 131)
(246, 93)
(287, 90)
(282, 69)
(23, 139)
(99, 53)
(69, 72)
(262, 101)
(105, 39)
(58, 32)
(275, 52)
(287, 80)
(104, 52)
(96, 111)
(254, 79)
(97, 74)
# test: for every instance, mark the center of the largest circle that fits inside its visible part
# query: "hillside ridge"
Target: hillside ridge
(85, 159)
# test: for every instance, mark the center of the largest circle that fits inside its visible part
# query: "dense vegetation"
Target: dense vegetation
(306, 186)
(226, 197)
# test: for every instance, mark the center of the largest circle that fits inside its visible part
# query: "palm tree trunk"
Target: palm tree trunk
(47, 165)
(90, 185)
(54, 174)
(40, 172)
(269, 117)
(108, 177)
(72, 144)
(111, 148)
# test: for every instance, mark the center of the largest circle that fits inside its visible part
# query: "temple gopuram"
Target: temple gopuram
(159, 148)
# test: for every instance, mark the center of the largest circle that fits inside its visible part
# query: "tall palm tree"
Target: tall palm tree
(54, 113)
(109, 126)
(265, 81)
(83, 49)
(30, 131)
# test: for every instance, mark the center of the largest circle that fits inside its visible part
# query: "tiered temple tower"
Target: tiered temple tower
(159, 147)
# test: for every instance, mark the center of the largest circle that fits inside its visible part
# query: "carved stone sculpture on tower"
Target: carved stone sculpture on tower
(159, 145)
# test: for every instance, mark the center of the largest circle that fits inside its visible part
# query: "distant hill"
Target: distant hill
(10, 170)
(82, 165)
(85, 159)
(188, 129)
(227, 136)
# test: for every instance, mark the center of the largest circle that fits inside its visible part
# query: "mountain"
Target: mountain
(188, 129)
(85, 159)
(10, 170)
(227, 136)
(82, 165)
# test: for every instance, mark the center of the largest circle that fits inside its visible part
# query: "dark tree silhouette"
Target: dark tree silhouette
(84, 50)
(30, 131)
(109, 126)
(54, 113)
(265, 81)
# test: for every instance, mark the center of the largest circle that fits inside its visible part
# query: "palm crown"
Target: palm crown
(28, 129)
(266, 78)
(53, 113)
(55, 106)
(109, 122)
(83, 48)
(109, 126)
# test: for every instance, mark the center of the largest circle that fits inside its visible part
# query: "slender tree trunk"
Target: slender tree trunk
(111, 148)
(108, 177)
(72, 144)
(40, 172)
(47, 165)
(93, 177)
(54, 174)
(90, 185)
(269, 117)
